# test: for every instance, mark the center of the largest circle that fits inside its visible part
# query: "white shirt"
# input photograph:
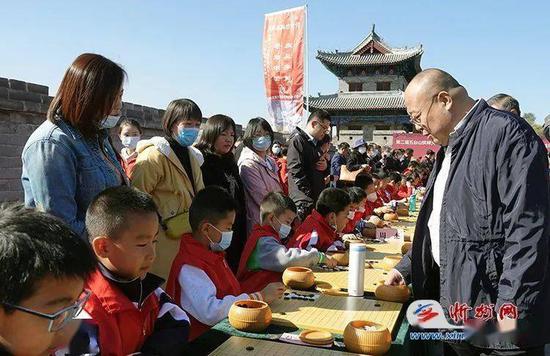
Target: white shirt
(198, 296)
(439, 192)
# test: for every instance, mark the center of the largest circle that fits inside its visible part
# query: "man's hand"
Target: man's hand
(394, 278)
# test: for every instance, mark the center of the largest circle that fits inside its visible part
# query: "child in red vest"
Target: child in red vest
(358, 199)
(321, 228)
(265, 256)
(406, 188)
(374, 204)
(127, 311)
(129, 132)
(200, 279)
(392, 188)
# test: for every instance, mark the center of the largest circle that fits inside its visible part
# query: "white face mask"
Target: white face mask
(109, 122)
(130, 141)
(351, 215)
(362, 209)
(362, 150)
(224, 243)
(372, 197)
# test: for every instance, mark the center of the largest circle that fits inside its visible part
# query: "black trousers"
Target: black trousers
(464, 349)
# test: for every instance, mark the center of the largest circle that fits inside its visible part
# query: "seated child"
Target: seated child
(392, 188)
(265, 256)
(44, 265)
(127, 312)
(200, 279)
(321, 228)
(383, 181)
(374, 204)
(406, 188)
(358, 199)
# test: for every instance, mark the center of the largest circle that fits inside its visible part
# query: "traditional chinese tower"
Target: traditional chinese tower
(371, 81)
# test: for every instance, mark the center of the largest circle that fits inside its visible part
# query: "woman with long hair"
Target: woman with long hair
(219, 168)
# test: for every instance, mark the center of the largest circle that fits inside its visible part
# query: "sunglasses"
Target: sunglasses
(59, 319)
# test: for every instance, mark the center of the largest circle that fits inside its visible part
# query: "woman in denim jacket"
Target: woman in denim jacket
(69, 159)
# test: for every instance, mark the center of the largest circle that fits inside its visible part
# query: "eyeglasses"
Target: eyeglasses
(59, 319)
(326, 128)
(416, 121)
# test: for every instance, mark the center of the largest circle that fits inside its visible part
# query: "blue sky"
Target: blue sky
(210, 51)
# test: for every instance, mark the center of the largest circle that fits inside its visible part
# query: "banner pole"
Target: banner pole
(306, 59)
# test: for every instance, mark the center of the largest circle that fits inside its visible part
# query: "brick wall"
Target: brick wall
(23, 108)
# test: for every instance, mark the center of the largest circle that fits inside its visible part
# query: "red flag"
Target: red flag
(283, 57)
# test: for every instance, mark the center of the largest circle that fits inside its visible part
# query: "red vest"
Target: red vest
(254, 281)
(122, 327)
(350, 226)
(404, 192)
(317, 222)
(193, 253)
(384, 195)
(370, 206)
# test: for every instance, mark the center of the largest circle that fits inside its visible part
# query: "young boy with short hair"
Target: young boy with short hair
(200, 279)
(321, 228)
(127, 312)
(392, 188)
(374, 204)
(358, 198)
(265, 257)
(44, 265)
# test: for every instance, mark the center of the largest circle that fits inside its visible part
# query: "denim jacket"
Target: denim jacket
(63, 171)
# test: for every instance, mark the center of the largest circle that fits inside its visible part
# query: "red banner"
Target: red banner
(418, 142)
(283, 57)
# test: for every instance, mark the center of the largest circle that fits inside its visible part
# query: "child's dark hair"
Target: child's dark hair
(129, 122)
(108, 213)
(212, 204)
(276, 203)
(332, 200)
(33, 246)
(363, 180)
(395, 177)
(356, 195)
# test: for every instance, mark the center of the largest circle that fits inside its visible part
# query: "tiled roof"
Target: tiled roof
(359, 101)
(350, 59)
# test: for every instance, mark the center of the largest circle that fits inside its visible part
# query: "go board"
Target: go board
(339, 280)
(391, 247)
(243, 347)
(333, 313)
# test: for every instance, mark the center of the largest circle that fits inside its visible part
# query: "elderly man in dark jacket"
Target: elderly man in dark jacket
(306, 169)
(482, 235)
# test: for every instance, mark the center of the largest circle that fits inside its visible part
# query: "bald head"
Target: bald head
(436, 102)
(431, 81)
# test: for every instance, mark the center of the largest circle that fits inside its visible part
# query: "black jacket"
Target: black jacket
(223, 172)
(494, 229)
(355, 161)
(305, 182)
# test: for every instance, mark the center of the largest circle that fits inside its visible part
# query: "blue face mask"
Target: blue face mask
(261, 143)
(187, 136)
(284, 230)
(110, 121)
(224, 243)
